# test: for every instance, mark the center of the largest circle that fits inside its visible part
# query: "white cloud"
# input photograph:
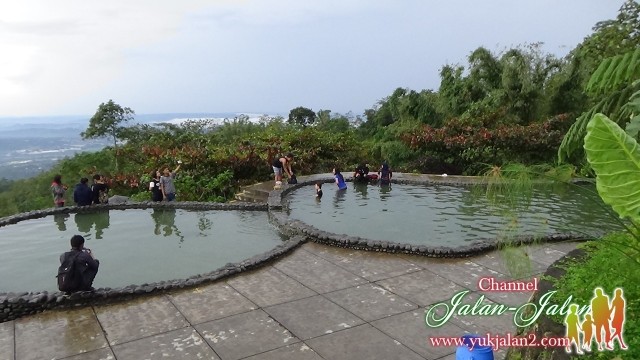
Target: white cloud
(67, 56)
(55, 51)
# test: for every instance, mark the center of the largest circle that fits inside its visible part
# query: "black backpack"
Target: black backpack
(69, 276)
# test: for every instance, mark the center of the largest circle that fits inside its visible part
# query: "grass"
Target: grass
(608, 266)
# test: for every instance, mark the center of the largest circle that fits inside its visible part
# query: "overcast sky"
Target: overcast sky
(257, 56)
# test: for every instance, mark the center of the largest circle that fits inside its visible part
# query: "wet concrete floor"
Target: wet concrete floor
(318, 302)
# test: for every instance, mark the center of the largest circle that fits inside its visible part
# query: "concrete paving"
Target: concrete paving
(317, 303)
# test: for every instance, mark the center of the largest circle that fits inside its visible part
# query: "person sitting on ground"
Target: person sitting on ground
(100, 190)
(318, 190)
(166, 183)
(385, 173)
(82, 194)
(342, 185)
(282, 164)
(86, 263)
(361, 174)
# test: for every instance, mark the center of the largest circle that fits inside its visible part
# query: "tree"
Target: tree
(107, 121)
(302, 116)
(612, 37)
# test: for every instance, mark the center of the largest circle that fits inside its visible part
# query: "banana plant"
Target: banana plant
(615, 158)
(615, 81)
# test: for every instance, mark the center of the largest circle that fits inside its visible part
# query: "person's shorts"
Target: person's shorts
(171, 196)
(277, 170)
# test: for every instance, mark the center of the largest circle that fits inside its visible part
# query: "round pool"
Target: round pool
(134, 246)
(447, 215)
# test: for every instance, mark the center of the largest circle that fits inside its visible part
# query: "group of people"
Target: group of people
(161, 184)
(83, 195)
(161, 187)
(361, 174)
(79, 266)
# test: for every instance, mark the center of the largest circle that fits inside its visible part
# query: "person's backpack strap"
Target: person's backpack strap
(68, 277)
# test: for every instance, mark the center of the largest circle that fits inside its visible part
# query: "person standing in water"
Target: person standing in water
(342, 185)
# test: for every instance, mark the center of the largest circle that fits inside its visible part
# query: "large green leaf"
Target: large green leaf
(615, 158)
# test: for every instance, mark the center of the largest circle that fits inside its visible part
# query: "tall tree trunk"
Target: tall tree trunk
(115, 150)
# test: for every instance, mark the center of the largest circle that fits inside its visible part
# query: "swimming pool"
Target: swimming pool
(446, 215)
(134, 246)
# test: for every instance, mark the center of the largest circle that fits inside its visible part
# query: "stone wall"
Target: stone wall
(15, 305)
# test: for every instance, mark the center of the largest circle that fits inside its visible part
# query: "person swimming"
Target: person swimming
(342, 185)
(318, 190)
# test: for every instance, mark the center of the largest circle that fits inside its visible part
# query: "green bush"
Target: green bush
(609, 268)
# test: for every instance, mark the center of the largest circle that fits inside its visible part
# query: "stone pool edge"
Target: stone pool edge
(278, 206)
(16, 305)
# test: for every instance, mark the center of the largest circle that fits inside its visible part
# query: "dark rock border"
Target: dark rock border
(16, 305)
(277, 201)
(187, 205)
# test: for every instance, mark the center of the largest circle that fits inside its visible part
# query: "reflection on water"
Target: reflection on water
(385, 189)
(447, 215)
(165, 223)
(339, 197)
(361, 190)
(204, 224)
(133, 246)
(61, 221)
(86, 221)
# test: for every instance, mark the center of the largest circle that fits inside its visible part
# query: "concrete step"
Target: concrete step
(250, 197)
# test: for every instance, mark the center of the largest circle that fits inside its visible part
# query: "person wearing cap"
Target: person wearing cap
(166, 183)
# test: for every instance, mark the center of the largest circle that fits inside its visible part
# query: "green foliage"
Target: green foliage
(33, 193)
(107, 121)
(470, 144)
(611, 37)
(513, 183)
(615, 103)
(515, 82)
(302, 116)
(615, 72)
(202, 188)
(611, 59)
(5, 184)
(633, 106)
(564, 89)
(332, 124)
(615, 158)
(606, 267)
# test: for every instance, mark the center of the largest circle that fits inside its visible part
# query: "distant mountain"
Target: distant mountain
(29, 145)
(50, 126)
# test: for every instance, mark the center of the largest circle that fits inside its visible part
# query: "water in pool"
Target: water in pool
(444, 215)
(133, 246)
